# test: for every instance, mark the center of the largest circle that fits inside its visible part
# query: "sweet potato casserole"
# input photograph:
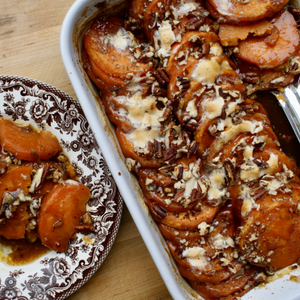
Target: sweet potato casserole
(179, 80)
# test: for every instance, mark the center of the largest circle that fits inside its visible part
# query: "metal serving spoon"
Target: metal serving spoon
(289, 100)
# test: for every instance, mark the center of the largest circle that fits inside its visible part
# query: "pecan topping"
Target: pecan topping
(87, 219)
(193, 148)
(158, 149)
(191, 125)
(229, 169)
(85, 227)
(259, 193)
(159, 211)
(213, 129)
(250, 77)
(161, 76)
(205, 48)
(178, 196)
(58, 223)
(195, 22)
(170, 153)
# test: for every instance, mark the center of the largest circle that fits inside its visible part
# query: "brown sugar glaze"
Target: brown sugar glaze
(22, 252)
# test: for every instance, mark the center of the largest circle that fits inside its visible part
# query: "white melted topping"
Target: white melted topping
(185, 8)
(142, 112)
(191, 108)
(217, 182)
(195, 256)
(233, 130)
(140, 137)
(122, 39)
(166, 37)
(207, 71)
(213, 108)
(144, 116)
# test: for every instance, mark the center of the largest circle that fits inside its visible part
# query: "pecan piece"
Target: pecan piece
(159, 211)
(195, 22)
(170, 153)
(193, 148)
(259, 193)
(178, 196)
(250, 77)
(85, 227)
(161, 76)
(229, 169)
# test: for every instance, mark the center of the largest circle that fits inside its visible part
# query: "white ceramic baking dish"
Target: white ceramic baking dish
(75, 23)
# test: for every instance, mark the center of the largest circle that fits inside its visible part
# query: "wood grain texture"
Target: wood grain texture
(29, 47)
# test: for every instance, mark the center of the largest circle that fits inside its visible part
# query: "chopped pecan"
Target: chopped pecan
(158, 149)
(178, 196)
(193, 148)
(153, 19)
(259, 193)
(87, 219)
(159, 211)
(195, 22)
(229, 169)
(191, 125)
(58, 223)
(205, 48)
(213, 130)
(85, 227)
(250, 77)
(170, 153)
(162, 76)
(184, 83)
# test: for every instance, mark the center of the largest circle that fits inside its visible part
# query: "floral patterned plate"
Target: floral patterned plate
(57, 275)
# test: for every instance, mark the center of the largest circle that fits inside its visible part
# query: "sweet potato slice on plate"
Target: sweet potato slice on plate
(26, 143)
(236, 11)
(60, 213)
(15, 227)
(259, 51)
(15, 179)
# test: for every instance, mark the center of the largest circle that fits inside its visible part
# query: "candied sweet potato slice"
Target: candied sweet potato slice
(230, 35)
(15, 227)
(24, 142)
(236, 11)
(234, 287)
(107, 44)
(60, 213)
(270, 235)
(15, 178)
(258, 51)
(128, 150)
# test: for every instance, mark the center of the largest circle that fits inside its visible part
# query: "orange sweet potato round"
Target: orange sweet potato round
(236, 11)
(60, 213)
(26, 143)
(107, 44)
(258, 51)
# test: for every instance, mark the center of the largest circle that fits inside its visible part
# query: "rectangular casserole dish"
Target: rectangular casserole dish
(76, 22)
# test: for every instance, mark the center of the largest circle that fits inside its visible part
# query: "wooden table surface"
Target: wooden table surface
(29, 47)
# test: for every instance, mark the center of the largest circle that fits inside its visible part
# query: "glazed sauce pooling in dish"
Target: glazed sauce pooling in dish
(42, 204)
